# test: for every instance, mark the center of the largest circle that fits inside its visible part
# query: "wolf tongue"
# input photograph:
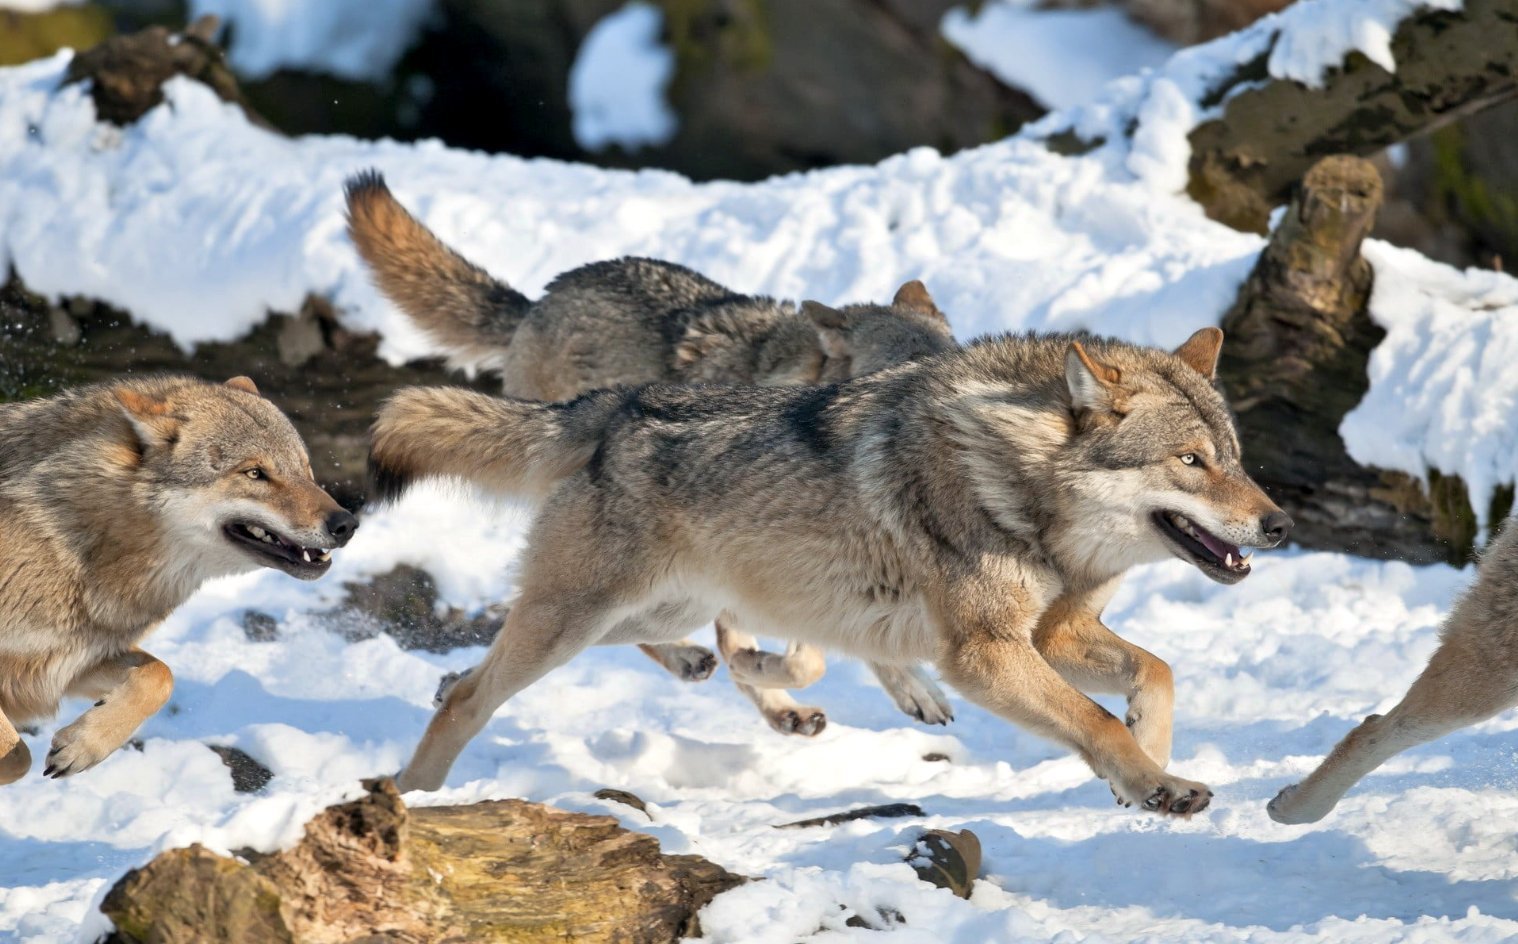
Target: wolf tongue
(1216, 545)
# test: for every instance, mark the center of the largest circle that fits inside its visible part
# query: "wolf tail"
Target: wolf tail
(461, 306)
(513, 447)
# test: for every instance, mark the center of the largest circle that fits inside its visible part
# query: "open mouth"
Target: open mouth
(274, 550)
(1211, 554)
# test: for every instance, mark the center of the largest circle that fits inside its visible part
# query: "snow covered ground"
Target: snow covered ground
(198, 223)
(1268, 675)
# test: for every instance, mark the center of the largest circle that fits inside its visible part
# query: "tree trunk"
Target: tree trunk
(500, 870)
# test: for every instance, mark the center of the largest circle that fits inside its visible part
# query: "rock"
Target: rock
(623, 797)
(403, 603)
(259, 627)
(504, 870)
(248, 775)
(947, 859)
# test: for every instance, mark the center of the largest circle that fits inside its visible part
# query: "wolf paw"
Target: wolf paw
(1289, 808)
(445, 685)
(921, 698)
(80, 746)
(807, 722)
(1172, 796)
(697, 663)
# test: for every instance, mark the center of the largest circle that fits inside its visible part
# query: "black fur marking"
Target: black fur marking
(386, 483)
(805, 418)
(363, 184)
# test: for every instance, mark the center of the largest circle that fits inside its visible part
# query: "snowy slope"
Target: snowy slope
(199, 223)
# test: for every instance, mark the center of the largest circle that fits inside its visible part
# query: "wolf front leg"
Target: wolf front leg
(15, 757)
(914, 692)
(1073, 639)
(764, 676)
(988, 654)
(128, 689)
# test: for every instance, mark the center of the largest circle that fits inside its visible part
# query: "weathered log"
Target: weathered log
(1299, 340)
(1448, 64)
(502, 870)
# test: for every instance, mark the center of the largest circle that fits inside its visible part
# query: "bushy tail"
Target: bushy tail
(514, 447)
(471, 314)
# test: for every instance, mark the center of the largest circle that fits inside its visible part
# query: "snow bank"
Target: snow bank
(1060, 57)
(617, 82)
(352, 39)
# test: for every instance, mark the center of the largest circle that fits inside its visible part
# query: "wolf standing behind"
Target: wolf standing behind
(1472, 676)
(116, 502)
(975, 509)
(637, 321)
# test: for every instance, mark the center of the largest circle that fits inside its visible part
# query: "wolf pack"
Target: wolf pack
(849, 479)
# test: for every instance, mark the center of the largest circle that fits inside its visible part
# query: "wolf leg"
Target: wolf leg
(780, 710)
(129, 689)
(539, 635)
(1005, 674)
(799, 667)
(914, 692)
(1466, 682)
(1095, 659)
(684, 659)
(15, 757)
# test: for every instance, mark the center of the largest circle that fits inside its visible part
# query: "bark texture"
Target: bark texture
(371, 870)
(1449, 64)
(1299, 340)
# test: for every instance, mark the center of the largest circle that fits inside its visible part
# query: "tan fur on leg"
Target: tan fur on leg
(130, 688)
(15, 756)
(684, 659)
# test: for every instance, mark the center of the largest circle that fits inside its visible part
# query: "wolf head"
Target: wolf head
(1135, 449)
(861, 339)
(229, 478)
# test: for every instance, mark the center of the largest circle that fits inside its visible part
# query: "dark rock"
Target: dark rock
(623, 797)
(259, 627)
(885, 811)
(248, 775)
(403, 604)
(947, 859)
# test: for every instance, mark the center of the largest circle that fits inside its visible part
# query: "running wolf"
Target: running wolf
(116, 502)
(975, 509)
(637, 321)
(1472, 676)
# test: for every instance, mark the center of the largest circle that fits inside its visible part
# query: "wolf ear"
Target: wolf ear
(245, 384)
(914, 296)
(832, 328)
(1200, 352)
(1091, 382)
(151, 417)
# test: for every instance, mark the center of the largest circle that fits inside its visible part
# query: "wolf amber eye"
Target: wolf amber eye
(1189, 458)
(254, 474)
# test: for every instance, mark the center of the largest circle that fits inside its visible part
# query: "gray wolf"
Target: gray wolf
(638, 321)
(975, 509)
(116, 502)
(1472, 676)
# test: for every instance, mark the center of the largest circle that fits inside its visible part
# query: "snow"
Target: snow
(1060, 57)
(199, 223)
(351, 39)
(617, 82)
(1268, 675)
(36, 6)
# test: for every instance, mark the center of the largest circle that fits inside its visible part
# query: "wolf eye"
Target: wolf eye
(255, 474)
(1189, 458)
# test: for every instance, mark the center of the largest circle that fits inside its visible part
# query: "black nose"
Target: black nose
(1276, 526)
(341, 526)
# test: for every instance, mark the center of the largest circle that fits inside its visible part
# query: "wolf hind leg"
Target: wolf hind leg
(914, 692)
(780, 710)
(684, 659)
(539, 635)
(1465, 683)
(15, 756)
(130, 688)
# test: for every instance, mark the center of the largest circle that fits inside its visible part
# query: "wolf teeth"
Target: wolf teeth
(307, 555)
(323, 556)
(257, 532)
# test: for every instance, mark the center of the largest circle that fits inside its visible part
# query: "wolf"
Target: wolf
(1472, 676)
(117, 501)
(975, 509)
(636, 321)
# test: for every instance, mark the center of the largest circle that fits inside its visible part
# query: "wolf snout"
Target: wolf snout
(341, 525)
(1276, 526)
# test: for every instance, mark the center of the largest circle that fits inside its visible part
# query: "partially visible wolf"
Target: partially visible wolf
(1472, 676)
(975, 509)
(116, 502)
(637, 321)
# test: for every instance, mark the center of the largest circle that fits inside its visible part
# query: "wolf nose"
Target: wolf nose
(1276, 526)
(341, 525)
